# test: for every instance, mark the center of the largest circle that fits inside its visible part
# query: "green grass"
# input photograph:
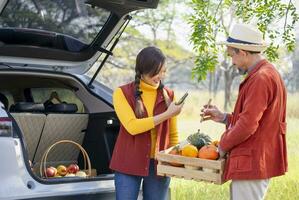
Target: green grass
(281, 188)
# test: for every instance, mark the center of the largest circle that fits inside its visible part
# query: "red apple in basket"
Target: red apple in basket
(50, 171)
(73, 168)
(61, 170)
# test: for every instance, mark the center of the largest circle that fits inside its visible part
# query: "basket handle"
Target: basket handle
(45, 155)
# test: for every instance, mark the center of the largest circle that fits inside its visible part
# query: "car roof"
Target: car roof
(56, 35)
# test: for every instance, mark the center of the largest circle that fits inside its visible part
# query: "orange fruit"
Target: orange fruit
(190, 151)
(175, 151)
(208, 152)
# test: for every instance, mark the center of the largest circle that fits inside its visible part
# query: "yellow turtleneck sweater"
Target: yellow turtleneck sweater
(136, 126)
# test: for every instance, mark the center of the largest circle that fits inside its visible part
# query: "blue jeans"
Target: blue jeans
(153, 187)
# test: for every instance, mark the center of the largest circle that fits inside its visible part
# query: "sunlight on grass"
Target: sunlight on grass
(192, 190)
(281, 188)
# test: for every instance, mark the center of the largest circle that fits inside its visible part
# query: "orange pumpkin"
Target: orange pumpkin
(208, 152)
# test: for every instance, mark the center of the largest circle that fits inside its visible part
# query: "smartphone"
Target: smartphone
(182, 99)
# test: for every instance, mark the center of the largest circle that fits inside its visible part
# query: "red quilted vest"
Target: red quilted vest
(131, 154)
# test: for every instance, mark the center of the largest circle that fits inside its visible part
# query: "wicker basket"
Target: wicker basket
(43, 163)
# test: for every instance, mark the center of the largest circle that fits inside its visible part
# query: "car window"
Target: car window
(112, 76)
(41, 95)
(72, 18)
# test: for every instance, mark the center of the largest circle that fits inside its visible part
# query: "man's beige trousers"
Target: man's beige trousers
(248, 189)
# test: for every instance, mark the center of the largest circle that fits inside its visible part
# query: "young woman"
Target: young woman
(147, 113)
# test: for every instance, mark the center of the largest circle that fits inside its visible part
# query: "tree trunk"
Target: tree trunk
(169, 26)
(218, 75)
(295, 71)
(227, 89)
(211, 75)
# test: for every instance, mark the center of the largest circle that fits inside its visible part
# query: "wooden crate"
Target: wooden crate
(194, 168)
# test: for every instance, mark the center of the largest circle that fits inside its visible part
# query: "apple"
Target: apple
(61, 170)
(81, 174)
(72, 168)
(70, 175)
(50, 171)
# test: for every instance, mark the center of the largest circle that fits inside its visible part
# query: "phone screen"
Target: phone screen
(182, 99)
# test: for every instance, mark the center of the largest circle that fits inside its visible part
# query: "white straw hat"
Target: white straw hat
(246, 37)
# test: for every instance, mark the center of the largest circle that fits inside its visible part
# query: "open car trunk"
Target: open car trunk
(81, 117)
(46, 48)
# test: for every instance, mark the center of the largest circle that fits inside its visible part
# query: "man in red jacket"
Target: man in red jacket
(254, 141)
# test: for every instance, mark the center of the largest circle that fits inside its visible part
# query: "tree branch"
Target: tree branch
(216, 11)
(286, 18)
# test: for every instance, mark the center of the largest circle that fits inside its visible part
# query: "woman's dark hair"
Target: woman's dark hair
(149, 61)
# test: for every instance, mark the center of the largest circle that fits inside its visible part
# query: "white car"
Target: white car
(51, 108)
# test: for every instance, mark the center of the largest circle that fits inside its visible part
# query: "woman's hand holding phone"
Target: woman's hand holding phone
(176, 107)
(182, 99)
(173, 109)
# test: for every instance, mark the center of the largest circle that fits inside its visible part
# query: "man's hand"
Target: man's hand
(222, 154)
(211, 112)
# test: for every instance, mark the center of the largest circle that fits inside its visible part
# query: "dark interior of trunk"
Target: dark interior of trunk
(100, 137)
